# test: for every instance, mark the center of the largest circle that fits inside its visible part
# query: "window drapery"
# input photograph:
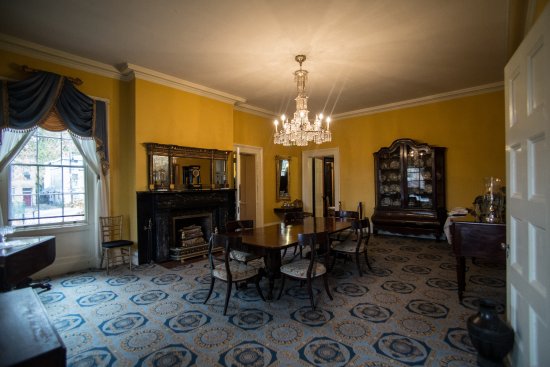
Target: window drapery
(52, 102)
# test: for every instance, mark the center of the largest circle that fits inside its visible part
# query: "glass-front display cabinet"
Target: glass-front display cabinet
(178, 168)
(410, 188)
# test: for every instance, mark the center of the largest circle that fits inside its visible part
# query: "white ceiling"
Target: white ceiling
(360, 53)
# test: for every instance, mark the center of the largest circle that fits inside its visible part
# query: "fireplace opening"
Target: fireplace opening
(191, 235)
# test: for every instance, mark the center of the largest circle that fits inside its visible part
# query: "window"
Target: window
(47, 182)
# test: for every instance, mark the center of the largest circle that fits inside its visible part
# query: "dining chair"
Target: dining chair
(291, 218)
(307, 269)
(354, 245)
(238, 226)
(344, 214)
(111, 240)
(227, 270)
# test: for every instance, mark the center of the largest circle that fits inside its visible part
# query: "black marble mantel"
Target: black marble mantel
(156, 210)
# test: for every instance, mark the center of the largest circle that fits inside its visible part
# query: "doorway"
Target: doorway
(323, 185)
(247, 192)
(249, 183)
(320, 180)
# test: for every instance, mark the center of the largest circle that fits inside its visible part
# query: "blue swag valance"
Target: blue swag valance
(52, 102)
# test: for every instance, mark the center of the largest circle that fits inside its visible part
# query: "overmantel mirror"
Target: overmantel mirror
(173, 167)
(282, 178)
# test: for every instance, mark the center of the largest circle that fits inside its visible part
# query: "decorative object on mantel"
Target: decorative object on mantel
(300, 131)
(492, 337)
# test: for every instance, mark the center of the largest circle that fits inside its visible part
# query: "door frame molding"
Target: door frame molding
(258, 153)
(306, 174)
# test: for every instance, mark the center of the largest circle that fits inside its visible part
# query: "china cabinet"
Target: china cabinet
(410, 189)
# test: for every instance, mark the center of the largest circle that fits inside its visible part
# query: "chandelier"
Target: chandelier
(300, 131)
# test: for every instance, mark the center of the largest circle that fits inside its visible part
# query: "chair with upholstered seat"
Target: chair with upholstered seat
(344, 214)
(354, 245)
(238, 226)
(228, 270)
(307, 269)
(111, 241)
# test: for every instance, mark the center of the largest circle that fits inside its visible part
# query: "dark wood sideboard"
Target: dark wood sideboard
(479, 240)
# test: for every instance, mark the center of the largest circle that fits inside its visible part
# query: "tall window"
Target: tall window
(47, 182)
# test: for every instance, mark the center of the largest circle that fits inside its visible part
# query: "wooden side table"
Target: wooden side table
(474, 239)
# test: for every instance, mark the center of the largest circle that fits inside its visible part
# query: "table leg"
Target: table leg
(461, 275)
(272, 269)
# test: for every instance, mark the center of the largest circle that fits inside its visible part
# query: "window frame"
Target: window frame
(59, 227)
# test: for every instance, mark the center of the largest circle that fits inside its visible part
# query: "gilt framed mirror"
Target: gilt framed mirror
(282, 178)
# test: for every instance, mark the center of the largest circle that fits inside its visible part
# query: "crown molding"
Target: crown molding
(140, 72)
(486, 88)
(19, 46)
(244, 107)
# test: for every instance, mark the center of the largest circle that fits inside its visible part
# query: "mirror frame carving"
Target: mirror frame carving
(156, 152)
(279, 196)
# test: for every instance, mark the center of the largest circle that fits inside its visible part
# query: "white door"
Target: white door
(527, 89)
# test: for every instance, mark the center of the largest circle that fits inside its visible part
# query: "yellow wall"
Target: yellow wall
(472, 129)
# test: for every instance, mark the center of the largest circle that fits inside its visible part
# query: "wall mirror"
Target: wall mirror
(282, 177)
(173, 167)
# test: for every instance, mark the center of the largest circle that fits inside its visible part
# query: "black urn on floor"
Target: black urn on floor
(492, 337)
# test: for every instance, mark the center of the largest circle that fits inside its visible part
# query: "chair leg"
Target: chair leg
(325, 280)
(357, 260)
(258, 287)
(130, 257)
(282, 286)
(227, 296)
(210, 290)
(367, 260)
(102, 258)
(108, 259)
(310, 291)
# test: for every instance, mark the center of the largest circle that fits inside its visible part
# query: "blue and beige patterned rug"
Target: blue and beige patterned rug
(403, 313)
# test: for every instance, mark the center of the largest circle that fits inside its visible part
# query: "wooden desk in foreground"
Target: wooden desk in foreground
(27, 338)
(479, 240)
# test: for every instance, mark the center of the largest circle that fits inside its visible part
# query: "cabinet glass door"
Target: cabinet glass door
(419, 178)
(390, 179)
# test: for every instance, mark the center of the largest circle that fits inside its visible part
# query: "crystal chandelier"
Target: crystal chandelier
(300, 131)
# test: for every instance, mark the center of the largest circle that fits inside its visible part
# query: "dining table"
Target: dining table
(270, 240)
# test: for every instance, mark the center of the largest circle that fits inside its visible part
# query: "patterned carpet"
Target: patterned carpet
(403, 313)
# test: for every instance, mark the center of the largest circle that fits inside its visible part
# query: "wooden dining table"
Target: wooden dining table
(270, 240)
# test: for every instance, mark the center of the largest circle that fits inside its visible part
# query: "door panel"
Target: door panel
(527, 89)
(247, 192)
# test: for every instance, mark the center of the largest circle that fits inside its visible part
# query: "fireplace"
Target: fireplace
(163, 215)
(191, 235)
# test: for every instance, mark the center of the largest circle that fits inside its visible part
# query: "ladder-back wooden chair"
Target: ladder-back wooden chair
(112, 241)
